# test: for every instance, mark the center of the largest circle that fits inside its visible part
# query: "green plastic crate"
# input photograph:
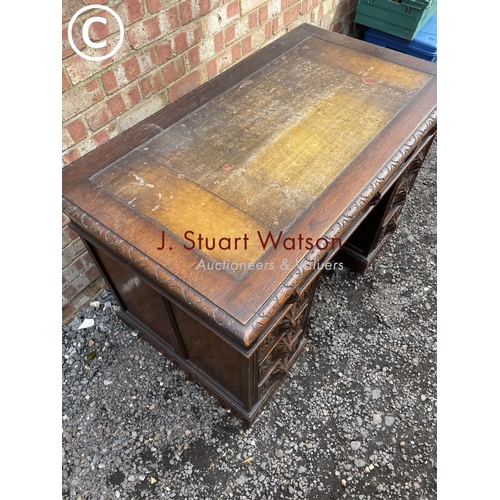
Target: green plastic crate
(402, 18)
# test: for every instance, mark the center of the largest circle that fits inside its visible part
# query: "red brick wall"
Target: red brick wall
(170, 47)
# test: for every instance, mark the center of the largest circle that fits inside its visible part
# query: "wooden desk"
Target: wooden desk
(212, 219)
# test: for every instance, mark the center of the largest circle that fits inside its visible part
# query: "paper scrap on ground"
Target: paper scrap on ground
(87, 323)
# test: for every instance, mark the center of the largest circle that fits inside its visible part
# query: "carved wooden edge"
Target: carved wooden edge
(247, 334)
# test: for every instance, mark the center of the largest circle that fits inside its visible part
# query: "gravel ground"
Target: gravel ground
(356, 417)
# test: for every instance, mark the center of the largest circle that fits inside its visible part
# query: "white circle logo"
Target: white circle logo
(85, 33)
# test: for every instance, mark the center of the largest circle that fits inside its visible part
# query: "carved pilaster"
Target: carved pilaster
(285, 341)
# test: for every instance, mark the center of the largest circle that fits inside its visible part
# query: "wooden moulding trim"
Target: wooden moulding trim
(247, 334)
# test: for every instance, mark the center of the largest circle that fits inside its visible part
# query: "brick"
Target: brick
(235, 52)
(81, 97)
(180, 42)
(263, 14)
(71, 156)
(211, 68)
(131, 96)
(218, 41)
(246, 45)
(169, 21)
(230, 34)
(233, 9)
(65, 81)
(249, 5)
(304, 7)
(277, 24)
(132, 68)
(164, 52)
(205, 6)
(152, 27)
(185, 12)
(116, 105)
(100, 138)
(268, 30)
(66, 140)
(77, 130)
(151, 84)
(185, 85)
(193, 57)
(153, 5)
(109, 82)
(337, 27)
(142, 111)
(173, 71)
(291, 15)
(130, 11)
(252, 21)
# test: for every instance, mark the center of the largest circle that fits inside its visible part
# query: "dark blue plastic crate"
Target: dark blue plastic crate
(424, 45)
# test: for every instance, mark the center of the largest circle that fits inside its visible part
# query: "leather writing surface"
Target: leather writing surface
(257, 156)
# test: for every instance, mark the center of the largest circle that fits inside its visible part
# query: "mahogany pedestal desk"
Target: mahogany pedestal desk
(212, 219)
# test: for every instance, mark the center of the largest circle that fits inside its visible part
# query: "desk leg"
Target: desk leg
(369, 238)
